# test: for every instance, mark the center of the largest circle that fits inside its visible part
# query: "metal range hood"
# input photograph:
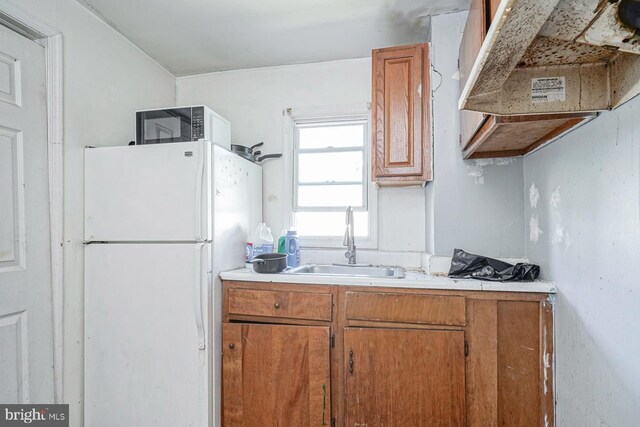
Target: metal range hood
(557, 56)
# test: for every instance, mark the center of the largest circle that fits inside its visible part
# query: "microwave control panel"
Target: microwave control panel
(197, 123)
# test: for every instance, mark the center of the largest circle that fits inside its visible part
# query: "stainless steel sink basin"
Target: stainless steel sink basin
(349, 270)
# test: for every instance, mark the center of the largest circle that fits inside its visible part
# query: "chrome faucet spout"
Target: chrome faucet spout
(349, 239)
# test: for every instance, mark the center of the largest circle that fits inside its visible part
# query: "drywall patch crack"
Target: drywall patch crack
(534, 195)
(554, 202)
(477, 169)
(534, 229)
(559, 234)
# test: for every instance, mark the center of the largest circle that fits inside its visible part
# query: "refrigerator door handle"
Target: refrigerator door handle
(201, 285)
(200, 194)
(198, 197)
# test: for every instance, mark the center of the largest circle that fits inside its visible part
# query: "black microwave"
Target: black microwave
(182, 124)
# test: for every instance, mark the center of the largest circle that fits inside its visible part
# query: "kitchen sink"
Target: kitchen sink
(357, 270)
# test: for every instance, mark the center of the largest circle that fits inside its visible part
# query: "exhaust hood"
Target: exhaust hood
(557, 56)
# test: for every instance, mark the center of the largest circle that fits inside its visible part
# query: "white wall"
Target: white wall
(474, 205)
(254, 100)
(106, 79)
(588, 213)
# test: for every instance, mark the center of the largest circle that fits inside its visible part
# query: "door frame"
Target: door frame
(51, 39)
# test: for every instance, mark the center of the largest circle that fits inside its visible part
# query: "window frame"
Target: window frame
(328, 115)
(347, 120)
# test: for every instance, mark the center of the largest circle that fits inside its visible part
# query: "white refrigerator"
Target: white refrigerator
(161, 222)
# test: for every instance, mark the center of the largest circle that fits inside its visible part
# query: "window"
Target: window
(331, 172)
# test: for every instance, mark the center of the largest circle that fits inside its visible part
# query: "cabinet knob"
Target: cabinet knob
(232, 346)
(276, 305)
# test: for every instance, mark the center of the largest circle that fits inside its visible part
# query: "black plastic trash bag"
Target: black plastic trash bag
(469, 266)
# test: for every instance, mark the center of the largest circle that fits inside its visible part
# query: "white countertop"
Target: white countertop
(414, 280)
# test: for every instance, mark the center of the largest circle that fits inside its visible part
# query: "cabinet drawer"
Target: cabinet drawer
(404, 308)
(286, 304)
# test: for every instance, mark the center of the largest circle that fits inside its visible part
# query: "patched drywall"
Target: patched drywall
(588, 215)
(476, 205)
(254, 100)
(106, 78)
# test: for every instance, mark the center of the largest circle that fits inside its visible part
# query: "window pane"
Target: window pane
(324, 224)
(328, 167)
(331, 136)
(329, 195)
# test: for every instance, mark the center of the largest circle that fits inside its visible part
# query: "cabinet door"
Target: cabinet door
(472, 38)
(401, 130)
(275, 375)
(403, 377)
(479, 19)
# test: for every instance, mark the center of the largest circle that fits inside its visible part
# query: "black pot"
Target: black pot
(269, 263)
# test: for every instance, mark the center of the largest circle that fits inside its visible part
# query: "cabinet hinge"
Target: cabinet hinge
(458, 64)
(332, 341)
(466, 348)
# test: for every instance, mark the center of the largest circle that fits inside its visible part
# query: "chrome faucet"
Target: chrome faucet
(349, 239)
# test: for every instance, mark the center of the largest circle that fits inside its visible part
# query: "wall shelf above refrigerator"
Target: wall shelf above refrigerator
(555, 56)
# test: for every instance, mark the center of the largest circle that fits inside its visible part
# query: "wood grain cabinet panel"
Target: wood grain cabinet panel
(275, 375)
(505, 136)
(509, 363)
(401, 130)
(474, 32)
(403, 377)
(284, 304)
(403, 308)
(386, 357)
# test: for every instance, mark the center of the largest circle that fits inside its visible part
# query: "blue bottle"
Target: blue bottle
(292, 246)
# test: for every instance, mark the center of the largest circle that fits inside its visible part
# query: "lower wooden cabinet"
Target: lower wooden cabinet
(276, 375)
(404, 377)
(351, 356)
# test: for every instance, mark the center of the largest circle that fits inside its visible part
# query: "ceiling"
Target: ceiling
(199, 36)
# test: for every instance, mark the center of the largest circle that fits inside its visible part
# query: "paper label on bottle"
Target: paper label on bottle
(548, 89)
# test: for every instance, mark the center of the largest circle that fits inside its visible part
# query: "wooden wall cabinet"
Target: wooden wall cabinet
(314, 355)
(484, 135)
(401, 129)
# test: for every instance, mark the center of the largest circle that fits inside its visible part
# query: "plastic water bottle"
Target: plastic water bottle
(292, 246)
(260, 242)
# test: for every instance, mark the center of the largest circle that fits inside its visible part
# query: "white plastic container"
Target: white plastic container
(260, 242)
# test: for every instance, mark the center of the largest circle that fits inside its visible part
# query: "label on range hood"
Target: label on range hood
(548, 89)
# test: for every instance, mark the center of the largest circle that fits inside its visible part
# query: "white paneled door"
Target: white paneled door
(26, 330)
